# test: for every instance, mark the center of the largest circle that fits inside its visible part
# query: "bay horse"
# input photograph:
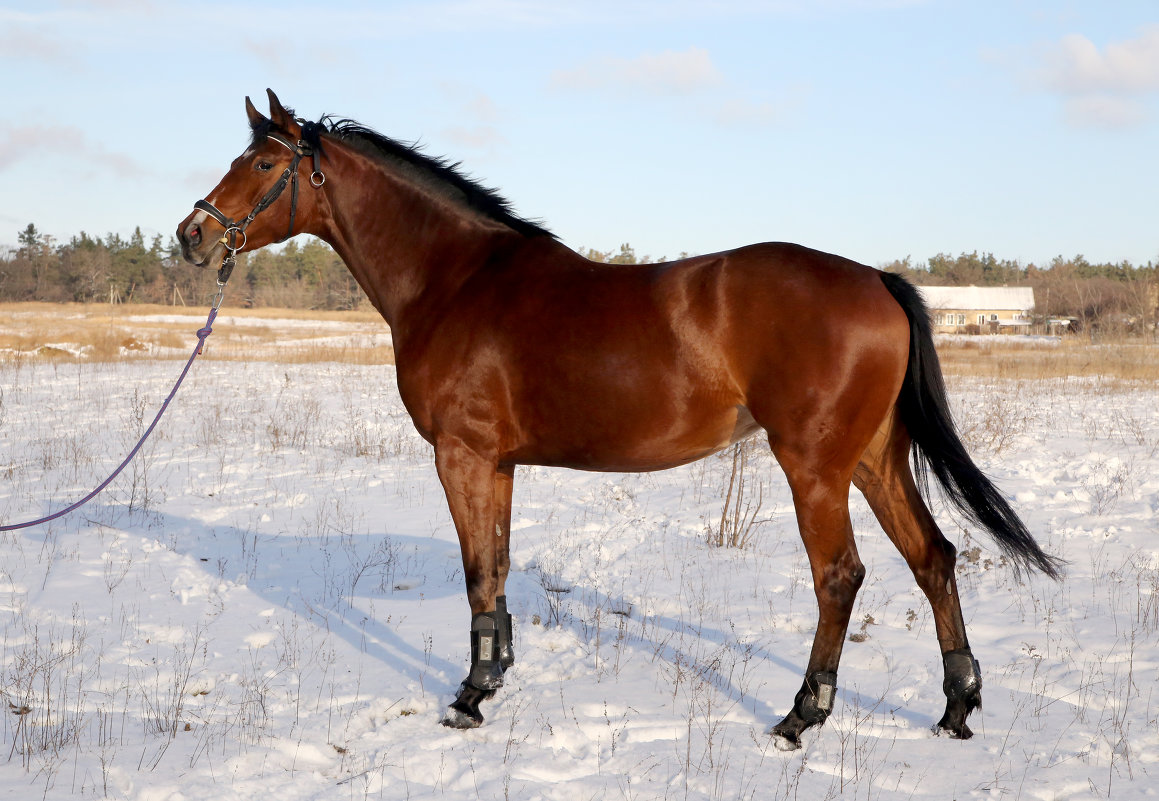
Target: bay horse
(511, 349)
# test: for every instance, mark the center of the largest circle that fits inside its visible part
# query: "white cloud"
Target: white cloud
(22, 44)
(136, 6)
(17, 143)
(560, 13)
(668, 72)
(745, 112)
(480, 118)
(1103, 87)
(1077, 66)
(286, 62)
(477, 137)
(483, 108)
(1103, 111)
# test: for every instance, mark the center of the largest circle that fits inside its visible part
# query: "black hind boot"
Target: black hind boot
(485, 678)
(963, 689)
(505, 639)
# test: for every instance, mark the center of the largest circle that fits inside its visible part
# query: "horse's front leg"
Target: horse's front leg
(469, 480)
(504, 481)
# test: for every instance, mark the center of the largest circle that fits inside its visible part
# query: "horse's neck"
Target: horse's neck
(406, 249)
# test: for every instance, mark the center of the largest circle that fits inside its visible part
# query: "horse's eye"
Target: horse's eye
(264, 166)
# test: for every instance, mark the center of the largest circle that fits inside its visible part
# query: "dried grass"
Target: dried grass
(1127, 360)
(104, 333)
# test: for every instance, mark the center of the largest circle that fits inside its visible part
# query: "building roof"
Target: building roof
(1012, 298)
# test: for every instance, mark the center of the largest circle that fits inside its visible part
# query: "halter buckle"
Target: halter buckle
(223, 274)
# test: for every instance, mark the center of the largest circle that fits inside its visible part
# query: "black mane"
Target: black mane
(441, 175)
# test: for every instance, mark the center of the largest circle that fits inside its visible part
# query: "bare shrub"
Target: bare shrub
(739, 514)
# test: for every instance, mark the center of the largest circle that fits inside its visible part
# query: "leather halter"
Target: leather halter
(289, 177)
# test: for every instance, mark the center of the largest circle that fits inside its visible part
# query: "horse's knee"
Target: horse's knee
(856, 576)
(840, 582)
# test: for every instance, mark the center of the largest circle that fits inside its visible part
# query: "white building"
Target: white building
(990, 308)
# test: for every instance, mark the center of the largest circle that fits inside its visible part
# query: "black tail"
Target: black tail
(936, 445)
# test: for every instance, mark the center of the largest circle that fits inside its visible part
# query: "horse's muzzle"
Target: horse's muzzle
(197, 246)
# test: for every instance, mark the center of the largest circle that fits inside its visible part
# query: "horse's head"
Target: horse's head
(258, 202)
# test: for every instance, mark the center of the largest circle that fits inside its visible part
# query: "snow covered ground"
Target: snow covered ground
(269, 604)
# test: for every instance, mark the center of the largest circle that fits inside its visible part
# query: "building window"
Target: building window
(981, 319)
(940, 319)
(961, 319)
(993, 318)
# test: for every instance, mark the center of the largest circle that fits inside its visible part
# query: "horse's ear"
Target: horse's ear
(278, 114)
(256, 117)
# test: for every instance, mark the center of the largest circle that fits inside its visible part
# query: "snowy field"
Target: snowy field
(269, 604)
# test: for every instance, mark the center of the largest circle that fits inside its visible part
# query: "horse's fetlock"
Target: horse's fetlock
(814, 701)
(486, 671)
(963, 675)
(505, 635)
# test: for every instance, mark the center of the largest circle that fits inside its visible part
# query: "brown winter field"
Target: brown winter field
(101, 332)
(1126, 359)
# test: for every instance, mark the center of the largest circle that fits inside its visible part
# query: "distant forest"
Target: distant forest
(306, 274)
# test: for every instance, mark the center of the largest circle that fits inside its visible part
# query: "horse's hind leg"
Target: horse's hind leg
(885, 478)
(821, 501)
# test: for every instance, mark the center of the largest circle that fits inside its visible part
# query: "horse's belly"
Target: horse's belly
(728, 430)
(639, 449)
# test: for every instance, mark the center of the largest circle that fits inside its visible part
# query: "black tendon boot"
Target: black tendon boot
(485, 677)
(505, 641)
(963, 689)
(811, 707)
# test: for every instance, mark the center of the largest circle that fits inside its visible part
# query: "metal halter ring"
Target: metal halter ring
(225, 239)
(317, 178)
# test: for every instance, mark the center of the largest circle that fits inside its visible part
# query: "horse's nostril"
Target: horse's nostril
(195, 235)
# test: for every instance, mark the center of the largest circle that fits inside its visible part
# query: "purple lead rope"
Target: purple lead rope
(201, 336)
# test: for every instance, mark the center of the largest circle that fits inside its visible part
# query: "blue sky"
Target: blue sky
(875, 129)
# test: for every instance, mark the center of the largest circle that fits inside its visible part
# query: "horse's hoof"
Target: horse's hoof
(964, 733)
(963, 688)
(953, 722)
(461, 719)
(783, 743)
(464, 712)
(957, 729)
(811, 707)
(787, 734)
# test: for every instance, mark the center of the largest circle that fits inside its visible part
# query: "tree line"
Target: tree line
(1114, 298)
(303, 274)
(306, 273)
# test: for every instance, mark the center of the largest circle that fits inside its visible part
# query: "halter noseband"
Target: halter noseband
(289, 176)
